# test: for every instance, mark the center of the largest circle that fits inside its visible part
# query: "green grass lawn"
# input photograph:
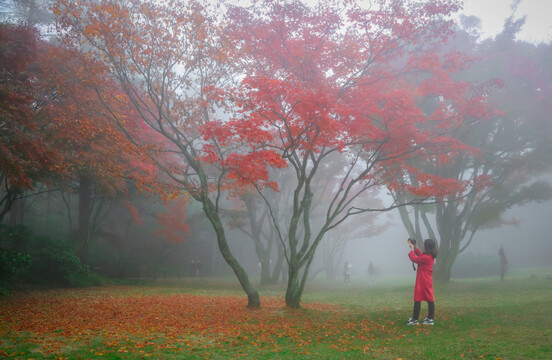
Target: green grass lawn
(207, 319)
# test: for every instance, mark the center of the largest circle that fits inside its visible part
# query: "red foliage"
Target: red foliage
(173, 222)
(336, 77)
(26, 153)
(90, 140)
(133, 212)
(319, 81)
(55, 125)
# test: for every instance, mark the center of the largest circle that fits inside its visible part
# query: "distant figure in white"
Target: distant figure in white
(347, 272)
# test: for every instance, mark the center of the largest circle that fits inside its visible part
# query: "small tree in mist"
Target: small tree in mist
(330, 257)
(252, 217)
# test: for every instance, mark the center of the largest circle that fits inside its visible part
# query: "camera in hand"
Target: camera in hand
(412, 241)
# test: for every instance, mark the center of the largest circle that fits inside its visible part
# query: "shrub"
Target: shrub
(13, 268)
(51, 261)
(59, 265)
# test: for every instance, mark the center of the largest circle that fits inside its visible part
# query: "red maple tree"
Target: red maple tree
(55, 130)
(161, 57)
(342, 80)
(26, 154)
(99, 156)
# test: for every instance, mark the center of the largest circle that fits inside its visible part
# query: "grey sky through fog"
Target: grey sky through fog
(538, 25)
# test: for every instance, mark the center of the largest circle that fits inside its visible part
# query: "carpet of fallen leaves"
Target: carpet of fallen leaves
(59, 320)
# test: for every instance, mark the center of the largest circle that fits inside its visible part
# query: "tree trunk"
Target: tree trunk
(443, 267)
(265, 269)
(253, 298)
(294, 289)
(278, 267)
(85, 197)
(15, 210)
(448, 250)
(263, 251)
(297, 281)
(7, 200)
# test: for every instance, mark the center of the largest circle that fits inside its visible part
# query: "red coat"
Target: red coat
(423, 290)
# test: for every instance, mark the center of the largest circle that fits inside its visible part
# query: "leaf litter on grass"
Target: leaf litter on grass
(137, 322)
(145, 324)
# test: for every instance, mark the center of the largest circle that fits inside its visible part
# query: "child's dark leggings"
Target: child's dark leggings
(430, 309)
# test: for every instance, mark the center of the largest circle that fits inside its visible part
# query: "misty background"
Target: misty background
(528, 244)
(128, 244)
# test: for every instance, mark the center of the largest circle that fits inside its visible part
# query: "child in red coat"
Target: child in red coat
(423, 290)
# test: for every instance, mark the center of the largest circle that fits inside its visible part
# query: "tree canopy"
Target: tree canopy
(514, 148)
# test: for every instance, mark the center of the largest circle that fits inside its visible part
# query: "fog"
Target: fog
(493, 12)
(527, 245)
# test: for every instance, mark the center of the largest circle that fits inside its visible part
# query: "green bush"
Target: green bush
(51, 261)
(13, 268)
(60, 266)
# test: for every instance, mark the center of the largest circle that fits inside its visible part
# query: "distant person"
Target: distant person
(503, 263)
(423, 290)
(372, 272)
(191, 268)
(198, 268)
(347, 273)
